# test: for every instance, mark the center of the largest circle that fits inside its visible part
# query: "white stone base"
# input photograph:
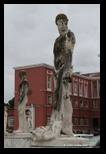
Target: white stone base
(24, 140)
(63, 142)
(17, 140)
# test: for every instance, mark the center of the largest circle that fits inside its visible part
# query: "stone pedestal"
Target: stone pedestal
(62, 142)
(17, 140)
(24, 140)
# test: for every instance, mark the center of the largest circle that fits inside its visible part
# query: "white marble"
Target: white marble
(5, 120)
(17, 143)
(63, 142)
(17, 140)
(21, 103)
(63, 54)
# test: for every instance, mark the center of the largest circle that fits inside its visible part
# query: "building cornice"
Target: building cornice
(33, 66)
(86, 77)
(51, 67)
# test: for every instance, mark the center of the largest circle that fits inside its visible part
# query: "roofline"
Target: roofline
(86, 77)
(52, 67)
(33, 65)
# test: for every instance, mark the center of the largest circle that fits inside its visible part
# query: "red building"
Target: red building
(84, 93)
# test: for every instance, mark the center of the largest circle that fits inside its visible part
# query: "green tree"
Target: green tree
(10, 104)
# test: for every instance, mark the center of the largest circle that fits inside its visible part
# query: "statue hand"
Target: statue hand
(69, 34)
(67, 76)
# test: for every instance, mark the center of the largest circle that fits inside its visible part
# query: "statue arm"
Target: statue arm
(55, 71)
(70, 41)
(70, 36)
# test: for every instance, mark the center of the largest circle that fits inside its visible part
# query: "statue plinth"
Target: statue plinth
(62, 142)
(17, 140)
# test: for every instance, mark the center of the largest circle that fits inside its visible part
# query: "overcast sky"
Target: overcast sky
(30, 32)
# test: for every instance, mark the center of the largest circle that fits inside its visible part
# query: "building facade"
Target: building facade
(84, 94)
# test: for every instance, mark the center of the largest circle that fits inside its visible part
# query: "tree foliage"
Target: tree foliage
(10, 104)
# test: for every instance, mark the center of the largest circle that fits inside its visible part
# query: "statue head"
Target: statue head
(60, 16)
(61, 22)
(22, 74)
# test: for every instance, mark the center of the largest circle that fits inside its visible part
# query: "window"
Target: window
(81, 121)
(80, 89)
(86, 121)
(49, 99)
(95, 104)
(95, 89)
(49, 82)
(86, 90)
(48, 119)
(75, 103)
(29, 120)
(11, 121)
(81, 103)
(75, 87)
(99, 88)
(75, 121)
(86, 104)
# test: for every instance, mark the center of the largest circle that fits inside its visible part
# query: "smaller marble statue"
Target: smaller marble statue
(5, 119)
(21, 103)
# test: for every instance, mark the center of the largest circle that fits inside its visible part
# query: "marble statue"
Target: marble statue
(63, 53)
(61, 117)
(21, 103)
(5, 119)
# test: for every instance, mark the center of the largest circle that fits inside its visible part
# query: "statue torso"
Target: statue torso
(59, 51)
(23, 87)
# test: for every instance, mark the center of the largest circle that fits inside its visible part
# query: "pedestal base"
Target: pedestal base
(24, 140)
(62, 142)
(17, 140)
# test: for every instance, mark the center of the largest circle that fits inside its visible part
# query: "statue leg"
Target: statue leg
(57, 90)
(67, 111)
